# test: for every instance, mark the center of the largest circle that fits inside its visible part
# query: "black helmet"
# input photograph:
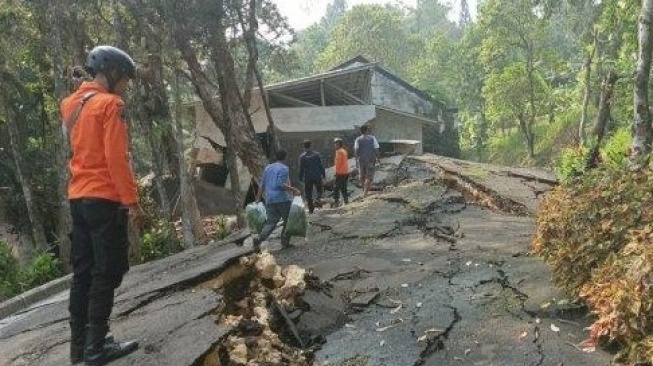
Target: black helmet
(103, 59)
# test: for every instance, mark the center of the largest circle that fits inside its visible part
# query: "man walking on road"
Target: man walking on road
(275, 184)
(103, 196)
(366, 148)
(311, 172)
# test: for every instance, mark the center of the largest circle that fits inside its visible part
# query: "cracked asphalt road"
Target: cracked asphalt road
(456, 283)
(439, 274)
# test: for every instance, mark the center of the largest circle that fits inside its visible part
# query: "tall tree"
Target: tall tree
(513, 95)
(465, 16)
(515, 43)
(19, 106)
(228, 113)
(641, 147)
(373, 31)
(55, 14)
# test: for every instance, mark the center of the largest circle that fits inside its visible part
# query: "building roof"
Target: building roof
(336, 118)
(362, 60)
(338, 87)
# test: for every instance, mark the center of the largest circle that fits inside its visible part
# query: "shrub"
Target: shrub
(571, 163)
(43, 267)
(615, 151)
(9, 273)
(595, 232)
(159, 241)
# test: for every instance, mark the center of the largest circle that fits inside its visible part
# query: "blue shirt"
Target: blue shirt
(273, 183)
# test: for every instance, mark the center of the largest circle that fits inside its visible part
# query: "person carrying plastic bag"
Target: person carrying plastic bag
(275, 184)
(297, 219)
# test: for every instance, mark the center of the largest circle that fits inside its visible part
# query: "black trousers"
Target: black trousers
(99, 254)
(341, 187)
(308, 192)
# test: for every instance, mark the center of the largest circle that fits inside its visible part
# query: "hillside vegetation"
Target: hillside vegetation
(595, 231)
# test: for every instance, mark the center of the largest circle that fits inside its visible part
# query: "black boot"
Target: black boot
(77, 341)
(101, 349)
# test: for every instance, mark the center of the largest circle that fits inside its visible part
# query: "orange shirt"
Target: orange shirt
(100, 166)
(341, 161)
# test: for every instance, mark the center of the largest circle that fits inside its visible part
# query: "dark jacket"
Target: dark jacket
(311, 167)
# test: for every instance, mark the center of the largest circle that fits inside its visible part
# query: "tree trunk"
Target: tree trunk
(641, 146)
(525, 128)
(192, 228)
(251, 26)
(481, 134)
(602, 117)
(38, 233)
(64, 220)
(247, 145)
(586, 93)
(245, 141)
(530, 138)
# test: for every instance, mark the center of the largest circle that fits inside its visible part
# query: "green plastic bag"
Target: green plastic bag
(297, 218)
(255, 216)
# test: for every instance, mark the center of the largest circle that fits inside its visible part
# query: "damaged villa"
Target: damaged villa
(404, 119)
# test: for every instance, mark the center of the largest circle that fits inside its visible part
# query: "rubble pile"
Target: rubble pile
(257, 295)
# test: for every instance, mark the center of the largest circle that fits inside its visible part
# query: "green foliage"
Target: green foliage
(43, 268)
(433, 72)
(221, 229)
(9, 273)
(615, 151)
(614, 155)
(571, 163)
(430, 17)
(374, 31)
(159, 241)
(14, 278)
(508, 93)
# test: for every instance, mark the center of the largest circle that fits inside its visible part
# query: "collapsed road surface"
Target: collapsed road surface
(432, 270)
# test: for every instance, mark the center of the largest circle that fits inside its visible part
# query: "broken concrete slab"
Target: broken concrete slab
(324, 315)
(418, 195)
(517, 186)
(368, 219)
(364, 299)
(157, 305)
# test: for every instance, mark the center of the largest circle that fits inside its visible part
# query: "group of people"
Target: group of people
(278, 190)
(103, 196)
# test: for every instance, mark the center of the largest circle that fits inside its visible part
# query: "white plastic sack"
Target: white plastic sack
(255, 216)
(297, 218)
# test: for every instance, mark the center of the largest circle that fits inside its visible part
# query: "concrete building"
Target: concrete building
(335, 104)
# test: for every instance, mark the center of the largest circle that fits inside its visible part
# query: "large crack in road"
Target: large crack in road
(429, 271)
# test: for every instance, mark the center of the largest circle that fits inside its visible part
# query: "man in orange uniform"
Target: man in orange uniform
(103, 194)
(342, 172)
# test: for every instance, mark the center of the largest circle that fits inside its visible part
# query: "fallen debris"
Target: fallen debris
(364, 300)
(258, 294)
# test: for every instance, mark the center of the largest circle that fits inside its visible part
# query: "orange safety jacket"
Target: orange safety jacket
(341, 162)
(100, 166)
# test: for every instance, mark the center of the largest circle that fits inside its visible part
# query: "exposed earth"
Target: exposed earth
(432, 269)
